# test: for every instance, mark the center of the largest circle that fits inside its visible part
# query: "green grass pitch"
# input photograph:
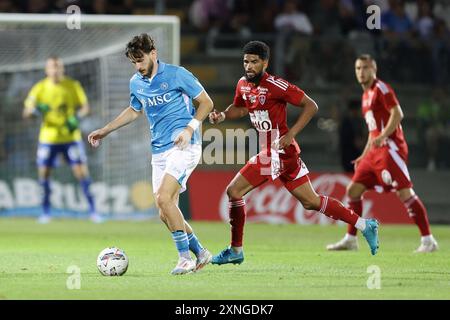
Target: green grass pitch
(281, 262)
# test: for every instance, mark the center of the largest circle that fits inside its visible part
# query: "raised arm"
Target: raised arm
(125, 117)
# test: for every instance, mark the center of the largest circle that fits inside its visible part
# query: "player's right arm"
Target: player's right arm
(363, 154)
(29, 109)
(125, 117)
(232, 112)
(235, 110)
(31, 103)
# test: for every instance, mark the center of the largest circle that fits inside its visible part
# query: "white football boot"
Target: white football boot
(44, 219)
(203, 258)
(96, 218)
(347, 243)
(429, 245)
(185, 265)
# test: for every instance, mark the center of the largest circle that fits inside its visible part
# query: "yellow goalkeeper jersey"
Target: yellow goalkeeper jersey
(63, 99)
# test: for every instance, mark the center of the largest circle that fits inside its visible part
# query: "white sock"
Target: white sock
(427, 239)
(184, 254)
(237, 249)
(360, 224)
(350, 237)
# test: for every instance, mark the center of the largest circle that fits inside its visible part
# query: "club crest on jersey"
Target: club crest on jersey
(262, 99)
(164, 86)
(252, 99)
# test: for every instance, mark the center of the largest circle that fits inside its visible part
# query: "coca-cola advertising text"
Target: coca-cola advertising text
(272, 203)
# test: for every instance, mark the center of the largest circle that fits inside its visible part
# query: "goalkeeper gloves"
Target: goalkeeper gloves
(72, 123)
(42, 108)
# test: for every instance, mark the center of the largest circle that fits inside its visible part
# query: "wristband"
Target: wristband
(223, 115)
(194, 124)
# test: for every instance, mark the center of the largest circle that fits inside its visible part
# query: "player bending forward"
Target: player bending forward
(264, 98)
(383, 161)
(165, 92)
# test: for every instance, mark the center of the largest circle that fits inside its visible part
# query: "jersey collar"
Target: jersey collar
(161, 67)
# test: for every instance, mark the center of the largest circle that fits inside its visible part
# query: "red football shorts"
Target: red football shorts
(383, 169)
(291, 170)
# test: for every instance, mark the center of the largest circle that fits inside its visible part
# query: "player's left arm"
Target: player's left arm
(83, 107)
(190, 85)
(396, 116)
(31, 103)
(310, 108)
(82, 100)
(84, 110)
(205, 106)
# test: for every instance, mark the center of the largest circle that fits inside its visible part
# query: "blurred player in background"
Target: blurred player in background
(164, 92)
(61, 102)
(264, 97)
(383, 163)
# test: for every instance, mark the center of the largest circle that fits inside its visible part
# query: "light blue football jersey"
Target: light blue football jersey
(167, 102)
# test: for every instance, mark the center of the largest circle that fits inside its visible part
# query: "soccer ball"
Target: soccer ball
(112, 262)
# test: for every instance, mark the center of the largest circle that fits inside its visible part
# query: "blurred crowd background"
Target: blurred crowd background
(314, 45)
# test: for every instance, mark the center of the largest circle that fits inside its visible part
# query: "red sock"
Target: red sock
(356, 206)
(237, 221)
(418, 213)
(336, 210)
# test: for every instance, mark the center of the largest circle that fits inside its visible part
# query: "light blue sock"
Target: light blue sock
(194, 245)
(181, 242)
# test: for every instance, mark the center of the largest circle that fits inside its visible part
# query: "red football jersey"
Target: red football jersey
(266, 104)
(377, 102)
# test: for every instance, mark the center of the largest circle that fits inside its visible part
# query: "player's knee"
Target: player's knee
(233, 193)
(79, 172)
(163, 200)
(44, 173)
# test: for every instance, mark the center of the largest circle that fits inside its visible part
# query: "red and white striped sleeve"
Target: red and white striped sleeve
(286, 91)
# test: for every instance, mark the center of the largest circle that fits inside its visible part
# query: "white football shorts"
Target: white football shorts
(176, 162)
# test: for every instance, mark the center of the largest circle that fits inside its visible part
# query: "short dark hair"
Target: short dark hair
(259, 48)
(139, 45)
(365, 57)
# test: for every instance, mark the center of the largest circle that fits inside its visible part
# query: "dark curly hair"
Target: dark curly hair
(259, 48)
(139, 45)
